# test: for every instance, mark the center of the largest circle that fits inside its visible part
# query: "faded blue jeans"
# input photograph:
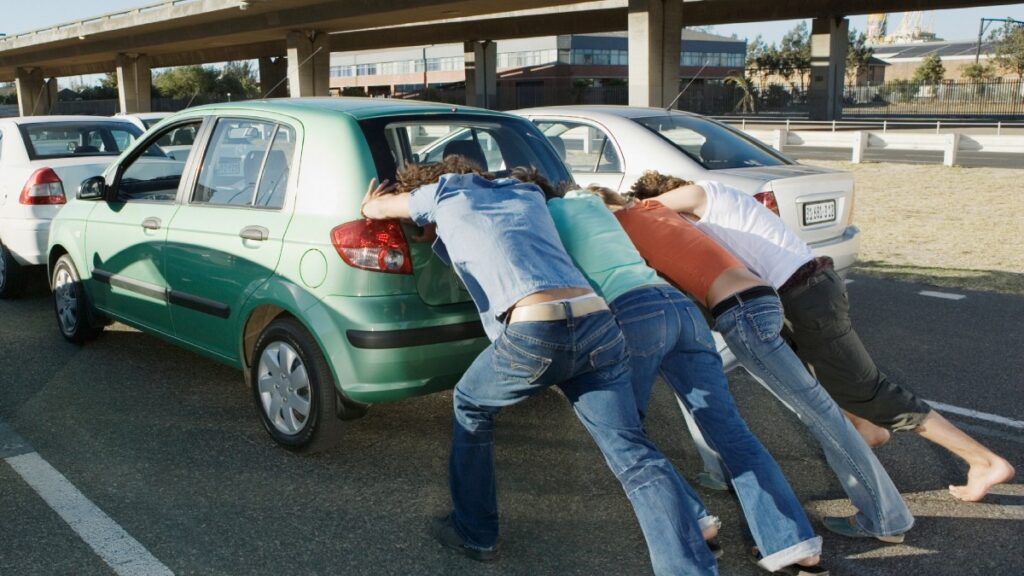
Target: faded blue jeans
(586, 357)
(665, 332)
(752, 330)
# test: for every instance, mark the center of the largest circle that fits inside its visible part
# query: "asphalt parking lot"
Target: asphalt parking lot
(167, 446)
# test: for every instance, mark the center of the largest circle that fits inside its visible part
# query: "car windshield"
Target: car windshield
(497, 144)
(72, 139)
(710, 144)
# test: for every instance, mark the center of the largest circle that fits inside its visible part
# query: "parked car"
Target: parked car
(175, 143)
(39, 157)
(252, 251)
(613, 145)
(144, 120)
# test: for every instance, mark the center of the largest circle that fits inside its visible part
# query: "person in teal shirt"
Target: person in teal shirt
(665, 332)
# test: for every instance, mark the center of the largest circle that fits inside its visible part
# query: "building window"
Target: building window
(600, 57)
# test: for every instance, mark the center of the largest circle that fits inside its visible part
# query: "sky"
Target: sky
(22, 16)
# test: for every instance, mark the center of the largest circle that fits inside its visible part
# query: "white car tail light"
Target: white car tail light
(43, 187)
(377, 245)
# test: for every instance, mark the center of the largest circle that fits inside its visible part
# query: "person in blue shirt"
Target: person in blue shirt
(547, 327)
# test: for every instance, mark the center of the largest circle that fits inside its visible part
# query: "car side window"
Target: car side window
(273, 182)
(583, 147)
(153, 175)
(233, 162)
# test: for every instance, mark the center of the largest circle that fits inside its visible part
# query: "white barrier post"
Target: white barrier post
(952, 145)
(779, 139)
(860, 142)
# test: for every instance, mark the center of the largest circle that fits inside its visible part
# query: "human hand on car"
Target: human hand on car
(373, 192)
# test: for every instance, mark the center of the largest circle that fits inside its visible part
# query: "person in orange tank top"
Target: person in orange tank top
(748, 314)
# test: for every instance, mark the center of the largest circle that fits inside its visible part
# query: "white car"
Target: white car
(613, 145)
(144, 120)
(41, 158)
(175, 144)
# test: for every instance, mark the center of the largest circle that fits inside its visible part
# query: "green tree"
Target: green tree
(1009, 48)
(858, 56)
(748, 103)
(978, 73)
(239, 80)
(931, 70)
(795, 53)
(187, 81)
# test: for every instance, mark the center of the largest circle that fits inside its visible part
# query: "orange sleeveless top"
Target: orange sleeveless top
(674, 247)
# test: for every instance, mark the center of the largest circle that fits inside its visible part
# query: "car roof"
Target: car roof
(58, 118)
(355, 106)
(602, 111)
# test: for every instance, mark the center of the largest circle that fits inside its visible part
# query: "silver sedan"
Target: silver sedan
(613, 145)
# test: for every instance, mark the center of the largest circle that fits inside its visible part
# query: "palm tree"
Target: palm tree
(748, 103)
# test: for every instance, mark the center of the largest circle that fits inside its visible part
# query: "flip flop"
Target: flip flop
(792, 569)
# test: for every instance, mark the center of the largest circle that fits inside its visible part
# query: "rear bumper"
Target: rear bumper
(26, 239)
(383, 349)
(842, 249)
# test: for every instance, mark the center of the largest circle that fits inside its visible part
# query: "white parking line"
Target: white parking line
(976, 414)
(119, 550)
(944, 295)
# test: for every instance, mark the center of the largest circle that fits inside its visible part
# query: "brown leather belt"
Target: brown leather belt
(548, 311)
(806, 272)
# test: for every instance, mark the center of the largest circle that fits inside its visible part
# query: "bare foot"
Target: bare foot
(810, 561)
(711, 532)
(873, 435)
(982, 477)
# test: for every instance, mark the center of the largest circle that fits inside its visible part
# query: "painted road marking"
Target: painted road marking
(976, 414)
(111, 543)
(943, 295)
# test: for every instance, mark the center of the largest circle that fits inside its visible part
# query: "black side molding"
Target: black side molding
(372, 340)
(199, 304)
(183, 299)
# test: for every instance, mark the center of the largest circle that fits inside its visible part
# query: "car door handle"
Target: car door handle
(151, 223)
(258, 233)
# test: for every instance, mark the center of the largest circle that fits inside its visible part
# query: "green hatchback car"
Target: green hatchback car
(249, 248)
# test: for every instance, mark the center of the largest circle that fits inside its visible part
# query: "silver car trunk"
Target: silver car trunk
(816, 202)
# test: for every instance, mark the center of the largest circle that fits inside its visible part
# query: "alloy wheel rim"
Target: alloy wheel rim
(284, 388)
(66, 300)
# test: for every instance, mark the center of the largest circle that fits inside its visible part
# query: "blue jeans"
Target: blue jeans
(586, 357)
(752, 330)
(666, 332)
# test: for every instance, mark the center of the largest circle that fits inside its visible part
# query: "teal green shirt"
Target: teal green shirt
(599, 246)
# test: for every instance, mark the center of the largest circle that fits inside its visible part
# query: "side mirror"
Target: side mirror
(94, 188)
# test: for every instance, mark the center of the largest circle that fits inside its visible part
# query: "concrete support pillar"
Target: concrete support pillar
(273, 75)
(37, 96)
(829, 41)
(134, 83)
(654, 28)
(309, 64)
(481, 74)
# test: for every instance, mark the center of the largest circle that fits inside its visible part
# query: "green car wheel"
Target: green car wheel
(293, 388)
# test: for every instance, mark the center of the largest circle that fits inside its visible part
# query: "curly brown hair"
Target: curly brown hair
(653, 183)
(610, 197)
(412, 176)
(533, 176)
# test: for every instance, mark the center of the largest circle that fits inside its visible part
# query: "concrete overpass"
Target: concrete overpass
(294, 38)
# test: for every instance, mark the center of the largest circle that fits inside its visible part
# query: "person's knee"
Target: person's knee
(470, 416)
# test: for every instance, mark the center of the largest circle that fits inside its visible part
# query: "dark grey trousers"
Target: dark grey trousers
(818, 322)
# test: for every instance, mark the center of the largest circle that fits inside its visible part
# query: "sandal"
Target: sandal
(792, 569)
(846, 526)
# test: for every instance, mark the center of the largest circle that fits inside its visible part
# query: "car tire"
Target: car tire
(294, 389)
(75, 319)
(12, 277)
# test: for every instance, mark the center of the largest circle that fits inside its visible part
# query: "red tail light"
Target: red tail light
(767, 199)
(377, 245)
(43, 187)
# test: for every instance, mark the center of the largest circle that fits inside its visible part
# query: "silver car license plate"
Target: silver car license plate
(818, 212)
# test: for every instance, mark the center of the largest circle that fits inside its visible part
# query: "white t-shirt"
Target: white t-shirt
(753, 233)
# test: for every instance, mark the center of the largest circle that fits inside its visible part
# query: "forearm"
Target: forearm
(689, 199)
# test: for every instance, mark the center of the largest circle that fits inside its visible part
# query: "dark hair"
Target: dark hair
(652, 184)
(412, 176)
(533, 176)
(608, 196)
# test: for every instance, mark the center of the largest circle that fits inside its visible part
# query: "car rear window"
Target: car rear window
(710, 144)
(72, 139)
(497, 144)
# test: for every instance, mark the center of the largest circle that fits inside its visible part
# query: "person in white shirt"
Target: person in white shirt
(817, 314)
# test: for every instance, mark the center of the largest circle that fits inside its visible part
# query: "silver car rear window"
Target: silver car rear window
(710, 144)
